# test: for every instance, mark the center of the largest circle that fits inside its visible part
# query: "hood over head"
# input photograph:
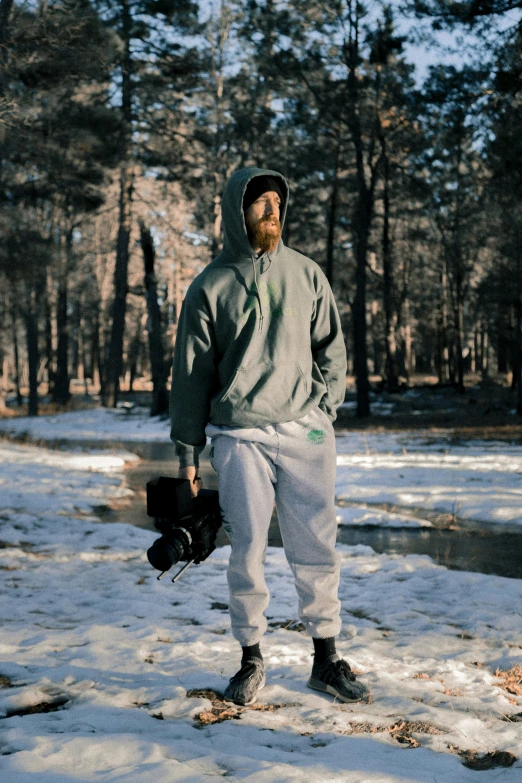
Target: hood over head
(260, 185)
(237, 243)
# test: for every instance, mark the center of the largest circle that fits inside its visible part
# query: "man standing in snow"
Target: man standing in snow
(260, 367)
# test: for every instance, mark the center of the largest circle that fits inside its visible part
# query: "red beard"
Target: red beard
(265, 234)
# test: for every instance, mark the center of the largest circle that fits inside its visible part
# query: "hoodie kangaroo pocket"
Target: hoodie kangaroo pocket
(267, 389)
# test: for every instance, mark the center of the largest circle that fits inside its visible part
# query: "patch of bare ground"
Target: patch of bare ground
(449, 427)
(511, 680)
(43, 706)
(288, 625)
(223, 710)
(78, 401)
(483, 761)
(5, 682)
(401, 730)
(442, 520)
(447, 691)
(513, 718)
(484, 411)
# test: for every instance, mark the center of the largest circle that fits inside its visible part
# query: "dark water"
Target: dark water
(487, 550)
(463, 550)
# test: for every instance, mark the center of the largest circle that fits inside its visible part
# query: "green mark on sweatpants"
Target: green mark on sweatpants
(316, 436)
(211, 452)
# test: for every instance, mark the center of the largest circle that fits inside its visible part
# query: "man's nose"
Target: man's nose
(270, 208)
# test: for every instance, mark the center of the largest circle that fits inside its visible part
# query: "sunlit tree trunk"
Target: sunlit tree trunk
(114, 354)
(159, 367)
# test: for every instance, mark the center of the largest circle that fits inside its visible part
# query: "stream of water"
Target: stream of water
(486, 549)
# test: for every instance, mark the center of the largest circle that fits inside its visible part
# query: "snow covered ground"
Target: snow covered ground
(476, 481)
(107, 674)
(95, 424)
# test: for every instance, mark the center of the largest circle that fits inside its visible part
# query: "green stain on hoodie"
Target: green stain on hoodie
(259, 339)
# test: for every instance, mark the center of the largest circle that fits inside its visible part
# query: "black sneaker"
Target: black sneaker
(243, 687)
(335, 677)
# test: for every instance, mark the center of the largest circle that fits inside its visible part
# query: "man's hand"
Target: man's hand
(195, 482)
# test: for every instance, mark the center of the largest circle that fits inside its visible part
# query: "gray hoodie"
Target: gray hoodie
(259, 339)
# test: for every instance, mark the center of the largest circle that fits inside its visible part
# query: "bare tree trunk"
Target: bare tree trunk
(5, 11)
(159, 368)
(82, 372)
(517, 353)
(61, 393)
(4, 366)
(375, 337)
(359, 314)
(31, 327)
(216, 227)
(178, 293)
(50, 331)
(61, 383)
(452, 364)
(114, 357)
(362, 218)
(332, 215)
(114, 362)
(517, 365)
(74, 336)
(94, 357)
(16, 354)
(391, 369)
(478, 358)
(5, 382)
(408, 358)
(484, 351)
(133, 356)
(459, 347)
(218, 40)
(444, 370)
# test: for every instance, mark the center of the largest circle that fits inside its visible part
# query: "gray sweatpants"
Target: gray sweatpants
(293, 462)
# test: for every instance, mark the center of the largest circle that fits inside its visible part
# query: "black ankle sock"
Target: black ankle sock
(253, 651)
(323, 649)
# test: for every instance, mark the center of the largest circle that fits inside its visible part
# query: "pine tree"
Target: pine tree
(148, 31)
(56, 145)
(456, 180)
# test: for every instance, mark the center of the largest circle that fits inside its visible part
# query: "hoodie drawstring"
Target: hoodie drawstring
(258, 295)
(254, 258)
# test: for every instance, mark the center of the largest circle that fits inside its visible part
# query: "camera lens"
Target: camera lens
(166, 552)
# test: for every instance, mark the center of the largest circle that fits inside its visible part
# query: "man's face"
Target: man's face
(262, 222)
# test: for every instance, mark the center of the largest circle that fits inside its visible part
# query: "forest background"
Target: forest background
(121, 120)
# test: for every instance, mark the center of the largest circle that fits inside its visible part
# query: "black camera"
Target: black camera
(188, 525)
